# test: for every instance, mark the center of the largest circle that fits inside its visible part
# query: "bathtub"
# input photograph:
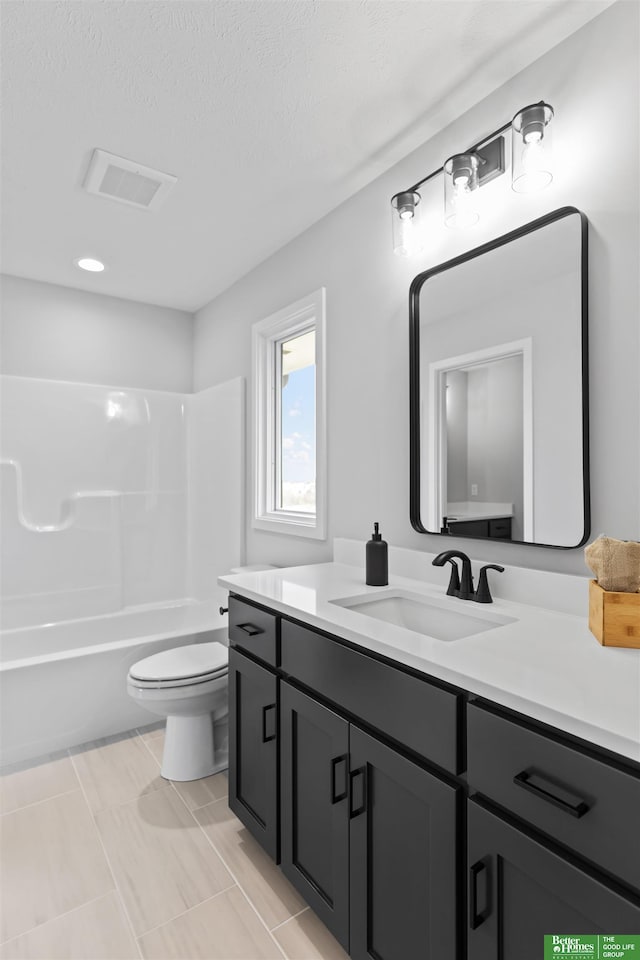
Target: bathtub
(62, 684)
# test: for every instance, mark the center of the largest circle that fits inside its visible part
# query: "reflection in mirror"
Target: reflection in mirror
(484, 424)
(498, 339)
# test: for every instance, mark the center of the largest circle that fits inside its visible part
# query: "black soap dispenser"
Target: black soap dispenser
(377, 563)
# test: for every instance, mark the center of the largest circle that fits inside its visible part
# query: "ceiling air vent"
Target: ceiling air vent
(127, 181)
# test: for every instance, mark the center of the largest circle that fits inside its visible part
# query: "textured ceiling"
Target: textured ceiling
(269, 112)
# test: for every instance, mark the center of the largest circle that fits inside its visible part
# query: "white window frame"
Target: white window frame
(298, 318)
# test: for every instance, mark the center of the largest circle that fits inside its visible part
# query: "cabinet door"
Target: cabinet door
(314, 813)
(253, 749)
(403, 855)
(519, 891)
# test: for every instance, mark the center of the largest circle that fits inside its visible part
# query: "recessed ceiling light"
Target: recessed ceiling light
(88, 263)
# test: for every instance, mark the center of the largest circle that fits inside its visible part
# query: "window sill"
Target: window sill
(292, 524)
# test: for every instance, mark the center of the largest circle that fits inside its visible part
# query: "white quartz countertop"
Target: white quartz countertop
(469, 517)
(466, 510)
(545, 664)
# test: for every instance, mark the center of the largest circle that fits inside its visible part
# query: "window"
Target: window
(289, 419)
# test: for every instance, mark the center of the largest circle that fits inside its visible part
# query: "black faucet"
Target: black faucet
(483, 594)
(464, 588)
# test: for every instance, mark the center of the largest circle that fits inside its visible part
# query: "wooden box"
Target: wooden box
(614, 618)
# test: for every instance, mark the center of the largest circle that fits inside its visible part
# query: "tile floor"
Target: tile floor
(102, 859)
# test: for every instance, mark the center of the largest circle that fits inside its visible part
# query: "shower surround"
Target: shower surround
(118, 506)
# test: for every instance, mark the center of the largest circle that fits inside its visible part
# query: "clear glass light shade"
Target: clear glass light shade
(460, 190)
(531, 146)
(406, 223)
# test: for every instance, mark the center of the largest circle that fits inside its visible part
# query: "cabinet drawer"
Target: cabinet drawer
(414, 712)
(500, 529)
(580, 801)
(254, 630)
(469, 528)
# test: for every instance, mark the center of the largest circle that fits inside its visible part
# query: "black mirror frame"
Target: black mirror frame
(414, 369)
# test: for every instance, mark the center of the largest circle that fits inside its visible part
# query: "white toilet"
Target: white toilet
(188, 686)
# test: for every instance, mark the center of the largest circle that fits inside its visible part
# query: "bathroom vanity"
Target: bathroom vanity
(421, 817)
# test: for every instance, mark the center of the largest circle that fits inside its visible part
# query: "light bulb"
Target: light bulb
(460, 187)
(406, 223)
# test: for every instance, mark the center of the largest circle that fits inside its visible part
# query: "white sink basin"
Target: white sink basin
(446, 619)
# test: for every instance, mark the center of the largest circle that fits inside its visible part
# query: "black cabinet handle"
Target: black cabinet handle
(223, 610)
(526, 779)
(336, 797)
(266, 738)
(356, 811)
(475, 918)
(250, 629)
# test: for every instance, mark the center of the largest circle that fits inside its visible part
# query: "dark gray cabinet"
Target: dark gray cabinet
(520, 890)
(253, 749)
(422, 717)
(403, 856)
(498, 528)
(314, 810)
(572, 797)
(417, 820)
(368, 837)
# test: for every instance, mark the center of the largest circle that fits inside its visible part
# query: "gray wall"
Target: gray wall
(592, 81)
(457, 436)
(57, 333)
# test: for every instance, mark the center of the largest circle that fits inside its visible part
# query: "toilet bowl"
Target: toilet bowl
(188, 686)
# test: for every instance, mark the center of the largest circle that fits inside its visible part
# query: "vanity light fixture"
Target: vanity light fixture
(406, 224)
(464, 173)
(531, 167)
(88, 263)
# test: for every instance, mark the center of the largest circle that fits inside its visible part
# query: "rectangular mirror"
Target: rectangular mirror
(499, 401)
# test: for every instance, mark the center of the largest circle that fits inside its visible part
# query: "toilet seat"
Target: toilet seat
(182, 666)
(189, 686)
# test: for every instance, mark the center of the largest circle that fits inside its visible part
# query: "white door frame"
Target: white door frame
(436, 423)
